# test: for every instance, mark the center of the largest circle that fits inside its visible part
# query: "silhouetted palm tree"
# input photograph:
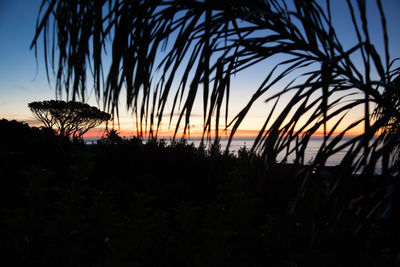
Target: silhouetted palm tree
(200, 45)
(112, 137)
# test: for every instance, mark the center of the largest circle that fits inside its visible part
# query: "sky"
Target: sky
(23, 77)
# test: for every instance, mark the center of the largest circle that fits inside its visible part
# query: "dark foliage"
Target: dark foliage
(182, 206)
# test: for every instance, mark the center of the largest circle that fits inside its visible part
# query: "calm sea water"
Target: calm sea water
(310, 153)
(237, 143)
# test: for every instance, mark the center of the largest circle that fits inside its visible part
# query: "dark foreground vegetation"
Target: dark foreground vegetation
(126, 203)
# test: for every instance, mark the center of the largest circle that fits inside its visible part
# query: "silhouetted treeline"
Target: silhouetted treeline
(134, 203)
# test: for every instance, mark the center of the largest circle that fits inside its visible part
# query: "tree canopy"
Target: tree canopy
(71, 119)
(200, 45)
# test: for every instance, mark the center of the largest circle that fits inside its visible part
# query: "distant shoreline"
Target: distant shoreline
(223, 138)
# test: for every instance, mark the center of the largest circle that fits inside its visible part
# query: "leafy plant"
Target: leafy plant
(111, 137)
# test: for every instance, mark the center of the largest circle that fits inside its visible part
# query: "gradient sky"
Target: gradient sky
(23, 79)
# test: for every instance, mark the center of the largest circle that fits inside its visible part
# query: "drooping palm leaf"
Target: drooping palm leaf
(168, 54)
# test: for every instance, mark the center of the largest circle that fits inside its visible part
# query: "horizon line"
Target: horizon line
(242, 134)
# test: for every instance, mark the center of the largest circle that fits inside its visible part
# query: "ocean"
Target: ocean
(310, 153)
(237, 143)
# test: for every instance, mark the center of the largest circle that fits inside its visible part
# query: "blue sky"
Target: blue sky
(23, 79)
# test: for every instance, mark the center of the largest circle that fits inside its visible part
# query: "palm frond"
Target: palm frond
(168, 54)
